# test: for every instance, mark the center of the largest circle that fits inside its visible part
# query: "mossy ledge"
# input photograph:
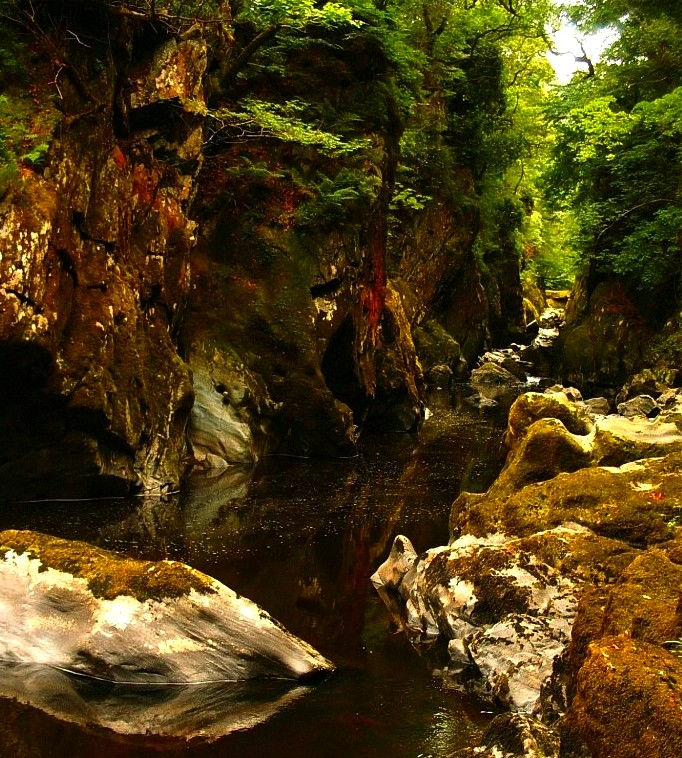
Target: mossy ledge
(108, 575)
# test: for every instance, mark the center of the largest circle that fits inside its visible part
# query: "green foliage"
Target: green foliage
(618, 157)
(297, 13)
(339, 199)
(282, 121)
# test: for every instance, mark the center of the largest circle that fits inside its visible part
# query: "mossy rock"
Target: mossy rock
(532, 406)
(638, 503)
(644, 603)
(435, 346)
(546, 450)
(619, 440)
(490, 373)
(108, 575)
(627, 704)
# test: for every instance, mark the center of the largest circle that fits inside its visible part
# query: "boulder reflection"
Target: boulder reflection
(192, 712)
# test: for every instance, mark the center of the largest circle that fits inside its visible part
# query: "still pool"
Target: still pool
(300, 537)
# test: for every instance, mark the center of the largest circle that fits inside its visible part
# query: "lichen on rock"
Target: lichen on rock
(89, 611)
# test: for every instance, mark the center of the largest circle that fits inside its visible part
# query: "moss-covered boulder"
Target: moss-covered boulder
(606, 336)
(548, 434)
(546, 450)
(437, 349)
(491, 374)
(637, 503)
(533, 406)
(627, 704)
(87, 610)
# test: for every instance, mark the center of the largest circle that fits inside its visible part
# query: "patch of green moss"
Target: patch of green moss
(108, 575)
(635, 506)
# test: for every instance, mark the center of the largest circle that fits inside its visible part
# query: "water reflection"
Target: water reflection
(204, 712)
(301, 538)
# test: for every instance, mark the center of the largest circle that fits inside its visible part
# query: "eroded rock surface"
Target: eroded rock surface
(561, 587)
(91, 612)
(511, 602)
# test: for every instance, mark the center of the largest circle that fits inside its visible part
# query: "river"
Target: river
(300, 537)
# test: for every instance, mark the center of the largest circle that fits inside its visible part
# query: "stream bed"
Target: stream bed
(300, 537)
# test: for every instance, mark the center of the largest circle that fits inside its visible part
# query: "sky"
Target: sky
(566, 42)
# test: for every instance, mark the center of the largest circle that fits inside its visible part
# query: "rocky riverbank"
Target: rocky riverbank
(560, 590)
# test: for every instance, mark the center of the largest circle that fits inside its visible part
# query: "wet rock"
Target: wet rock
(231, 410)
(547, 434)
(89, 611)
(514, 735)
(490, 373)
(572, 393)
(627, 703)
(216, 434)
(508, 602)
(480, 401)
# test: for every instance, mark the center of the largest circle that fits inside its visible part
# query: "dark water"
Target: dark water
(301, 538)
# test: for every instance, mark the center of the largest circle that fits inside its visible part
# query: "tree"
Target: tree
(617, 161)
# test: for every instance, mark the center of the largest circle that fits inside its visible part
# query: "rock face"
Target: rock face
(94, 271)
(88, 611)
(606, 335)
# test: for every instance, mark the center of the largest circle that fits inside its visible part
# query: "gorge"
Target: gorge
(336, 241)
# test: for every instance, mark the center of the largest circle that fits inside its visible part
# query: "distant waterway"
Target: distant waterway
(301, 537)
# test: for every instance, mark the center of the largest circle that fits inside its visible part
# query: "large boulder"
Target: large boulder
(89, 611)
(636, 503)
(533, 406)
(627, 704)
(549, 434)
(505, 605)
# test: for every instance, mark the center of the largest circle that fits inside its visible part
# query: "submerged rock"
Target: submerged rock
(89, 611)
(514, 735)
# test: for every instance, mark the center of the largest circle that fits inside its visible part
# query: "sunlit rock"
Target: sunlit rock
(546, 449)
(637, 502)
(509, 603)
(533, 406)
(89, 611)
(638, 407)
